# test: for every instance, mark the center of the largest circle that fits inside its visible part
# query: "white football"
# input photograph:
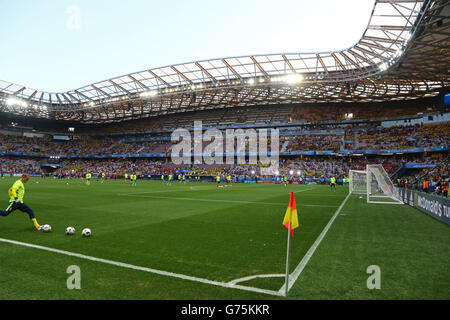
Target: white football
(86, 232)
(360, 197)
(70, 231)
(46, 228)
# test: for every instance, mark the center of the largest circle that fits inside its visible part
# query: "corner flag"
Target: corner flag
(290, 220)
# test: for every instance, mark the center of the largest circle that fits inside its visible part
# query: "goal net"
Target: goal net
(380, 188)
(357, 181)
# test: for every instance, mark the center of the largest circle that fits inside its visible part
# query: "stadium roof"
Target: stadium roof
(402, 54)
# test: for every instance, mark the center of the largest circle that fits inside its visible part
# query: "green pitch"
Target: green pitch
(191, 241)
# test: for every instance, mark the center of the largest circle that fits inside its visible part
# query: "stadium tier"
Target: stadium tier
(184, 181)
(308, 152)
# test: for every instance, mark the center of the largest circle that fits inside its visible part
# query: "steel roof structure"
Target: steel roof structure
(402, 54)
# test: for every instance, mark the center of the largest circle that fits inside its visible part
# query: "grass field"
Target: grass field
(195, 241)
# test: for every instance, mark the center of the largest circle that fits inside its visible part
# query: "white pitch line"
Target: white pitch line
(256, 276)
(148, 192)
(176, 190)
(325, 195)
(145, 269)
(231, 201)
(298, 270)
(304, 190)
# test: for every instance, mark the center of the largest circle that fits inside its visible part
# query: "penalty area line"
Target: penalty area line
(145, 269)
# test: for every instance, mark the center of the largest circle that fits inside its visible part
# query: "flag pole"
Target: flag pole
(287, 257)
(287, 222)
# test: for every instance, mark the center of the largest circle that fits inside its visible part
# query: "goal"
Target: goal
(379, 187)
(357, 181)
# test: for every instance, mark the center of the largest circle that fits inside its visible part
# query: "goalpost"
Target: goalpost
(357, 181)
(375, 183)
(380, 188)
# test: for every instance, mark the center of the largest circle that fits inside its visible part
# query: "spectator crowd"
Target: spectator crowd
(307, 167)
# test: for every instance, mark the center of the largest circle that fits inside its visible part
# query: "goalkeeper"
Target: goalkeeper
(333, 183)
(16, 193)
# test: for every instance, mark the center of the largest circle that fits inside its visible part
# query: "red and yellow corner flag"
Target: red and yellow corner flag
(290, 220)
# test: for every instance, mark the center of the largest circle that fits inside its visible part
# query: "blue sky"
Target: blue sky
(59, 45)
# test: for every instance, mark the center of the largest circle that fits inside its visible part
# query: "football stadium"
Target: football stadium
(282, 176)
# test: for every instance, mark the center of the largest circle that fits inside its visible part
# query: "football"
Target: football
(70, 231)
(46, 228)
(86, 232)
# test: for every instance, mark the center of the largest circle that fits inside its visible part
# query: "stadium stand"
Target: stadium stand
(147, 152)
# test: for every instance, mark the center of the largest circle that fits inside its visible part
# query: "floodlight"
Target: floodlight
(383, 66)
(407, 35)
(293, 78)
(14, 101)
(149, 93)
